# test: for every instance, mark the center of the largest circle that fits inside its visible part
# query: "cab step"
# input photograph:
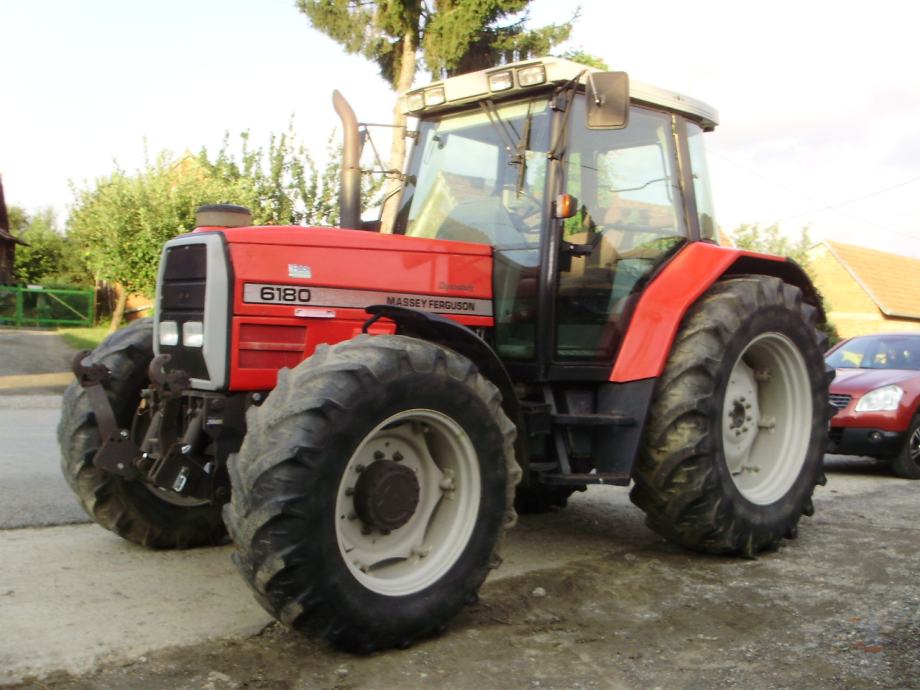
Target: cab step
(579, 479)
(592, 420)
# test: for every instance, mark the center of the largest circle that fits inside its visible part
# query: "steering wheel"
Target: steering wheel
(522, 213)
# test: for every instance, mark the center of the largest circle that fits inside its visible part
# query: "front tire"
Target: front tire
(371, 490)
(906, 464)
(128, 508)
(737, 428)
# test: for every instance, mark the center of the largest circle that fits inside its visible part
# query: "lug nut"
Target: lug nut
(365, 530)
(378, 455)
(397, 456)
(349, 492)
(360, 468)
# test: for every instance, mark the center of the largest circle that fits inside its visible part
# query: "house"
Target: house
(866, 290)
(7, 244)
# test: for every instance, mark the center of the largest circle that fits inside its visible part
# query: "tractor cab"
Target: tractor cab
(582, 183)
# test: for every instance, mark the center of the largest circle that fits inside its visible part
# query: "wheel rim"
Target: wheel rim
(427, 537)
(913, 446)
(766, 418)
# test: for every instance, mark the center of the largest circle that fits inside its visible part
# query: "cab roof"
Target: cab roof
(446, 94)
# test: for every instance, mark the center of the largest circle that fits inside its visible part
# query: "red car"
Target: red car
(877, 395)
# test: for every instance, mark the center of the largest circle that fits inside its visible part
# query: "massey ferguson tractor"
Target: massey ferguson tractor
(365, 410)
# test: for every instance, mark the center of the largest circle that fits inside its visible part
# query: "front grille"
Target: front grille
(839, 400)
(182, 299)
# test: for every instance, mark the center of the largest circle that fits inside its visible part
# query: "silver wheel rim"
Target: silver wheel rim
(913, 446)
(766, 418)
(417, 554)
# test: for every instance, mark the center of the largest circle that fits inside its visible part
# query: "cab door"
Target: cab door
(630, 218)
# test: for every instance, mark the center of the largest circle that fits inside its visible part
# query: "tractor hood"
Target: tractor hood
(294, 288)
(354, 269)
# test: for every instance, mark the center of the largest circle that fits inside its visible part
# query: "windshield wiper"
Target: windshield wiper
(554, 152)
(516, 145)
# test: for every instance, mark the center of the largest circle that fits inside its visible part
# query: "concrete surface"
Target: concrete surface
(587, 598)
(33, 361)
(32, 489)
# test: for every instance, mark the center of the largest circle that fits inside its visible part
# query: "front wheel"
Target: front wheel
(906, 464)
(131, 509)
(371, 490)
(736, 432)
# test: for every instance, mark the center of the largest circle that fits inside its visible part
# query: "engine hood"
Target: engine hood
(351, 269)
(860, 381)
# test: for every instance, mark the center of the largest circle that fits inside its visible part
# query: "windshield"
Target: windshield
(878, 352)
(480, 176)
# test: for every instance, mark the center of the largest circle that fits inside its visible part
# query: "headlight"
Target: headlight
(192, 334)
(501, 81)
(531, 76)
(884, 398)
(169, 333)
(435, 96)
(415, 101)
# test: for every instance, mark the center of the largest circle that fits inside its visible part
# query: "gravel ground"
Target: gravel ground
(592, 599)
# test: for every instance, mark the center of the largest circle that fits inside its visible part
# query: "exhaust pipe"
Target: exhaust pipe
(350, 192)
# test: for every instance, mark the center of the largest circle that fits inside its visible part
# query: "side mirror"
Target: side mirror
(607, 96)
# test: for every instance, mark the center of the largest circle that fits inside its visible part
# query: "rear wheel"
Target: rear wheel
(371, 490)
(906, 464)
(131, 509)
(736, 432)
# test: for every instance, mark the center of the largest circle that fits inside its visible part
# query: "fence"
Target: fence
(37, 306)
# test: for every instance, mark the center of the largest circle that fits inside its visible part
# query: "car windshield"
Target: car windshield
(878, 352)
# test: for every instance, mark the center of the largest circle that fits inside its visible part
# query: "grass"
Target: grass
(84, 338)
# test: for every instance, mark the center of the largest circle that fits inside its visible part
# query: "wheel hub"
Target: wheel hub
(386, 495)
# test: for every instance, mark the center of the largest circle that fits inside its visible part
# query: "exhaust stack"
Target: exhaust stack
(350, 192)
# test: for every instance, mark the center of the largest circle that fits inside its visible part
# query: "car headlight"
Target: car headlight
(884, 398)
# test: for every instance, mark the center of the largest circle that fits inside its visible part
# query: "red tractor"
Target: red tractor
(365, 411)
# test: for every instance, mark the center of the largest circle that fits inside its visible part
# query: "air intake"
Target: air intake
(223, 216)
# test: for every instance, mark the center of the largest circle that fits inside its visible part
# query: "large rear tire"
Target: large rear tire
(371, 490)
(737, 428)
(130, 509)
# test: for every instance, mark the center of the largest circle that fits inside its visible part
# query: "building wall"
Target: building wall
(849, 307)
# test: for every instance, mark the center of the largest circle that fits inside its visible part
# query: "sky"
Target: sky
(819, 102)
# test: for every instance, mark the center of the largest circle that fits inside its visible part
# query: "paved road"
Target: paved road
(32, 490)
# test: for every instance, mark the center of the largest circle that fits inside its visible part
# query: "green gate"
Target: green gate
(37, 306)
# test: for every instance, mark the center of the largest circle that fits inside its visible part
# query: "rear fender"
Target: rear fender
(674, 290)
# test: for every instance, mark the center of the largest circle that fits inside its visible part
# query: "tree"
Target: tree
(122, 220)
(771, 240)
(455, 36)
(467, 35)
(48, 257)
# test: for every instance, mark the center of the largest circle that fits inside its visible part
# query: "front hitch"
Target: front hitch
(118, 452)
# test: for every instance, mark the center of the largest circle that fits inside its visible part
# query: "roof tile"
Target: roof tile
(892, 281)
